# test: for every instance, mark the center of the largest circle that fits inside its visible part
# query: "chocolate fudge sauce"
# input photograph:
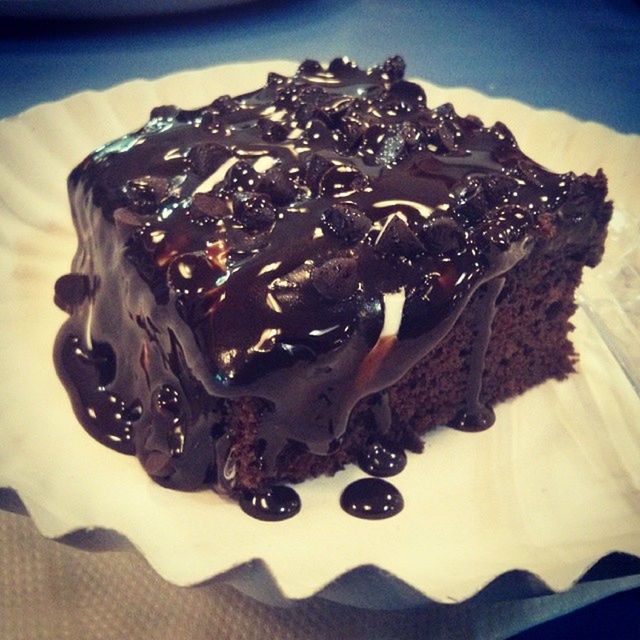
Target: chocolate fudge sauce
(304, 244)
(381, 459)
(271, 504)
(371, 499)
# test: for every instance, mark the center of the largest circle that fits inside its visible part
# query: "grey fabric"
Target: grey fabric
(49, 589)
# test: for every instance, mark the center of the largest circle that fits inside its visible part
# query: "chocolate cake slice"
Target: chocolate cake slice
(280, 283)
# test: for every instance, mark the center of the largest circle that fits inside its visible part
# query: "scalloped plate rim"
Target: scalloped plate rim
(32, 111)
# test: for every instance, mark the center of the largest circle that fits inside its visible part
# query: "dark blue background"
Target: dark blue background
(580, 57)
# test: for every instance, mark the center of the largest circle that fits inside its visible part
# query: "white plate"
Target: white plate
(552, 487)
(105, 8)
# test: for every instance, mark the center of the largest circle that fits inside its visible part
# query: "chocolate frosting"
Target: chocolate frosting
(304, 244)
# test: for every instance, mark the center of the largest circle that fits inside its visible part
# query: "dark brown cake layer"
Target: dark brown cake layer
(267, 284)
(529, 345)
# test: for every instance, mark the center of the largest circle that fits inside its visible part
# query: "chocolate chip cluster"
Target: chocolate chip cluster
(330, 186)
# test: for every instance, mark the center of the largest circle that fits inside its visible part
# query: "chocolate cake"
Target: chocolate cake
(317, 272)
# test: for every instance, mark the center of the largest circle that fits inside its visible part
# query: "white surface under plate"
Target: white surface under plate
(552, 487)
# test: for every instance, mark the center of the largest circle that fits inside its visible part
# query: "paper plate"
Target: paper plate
(550, 489)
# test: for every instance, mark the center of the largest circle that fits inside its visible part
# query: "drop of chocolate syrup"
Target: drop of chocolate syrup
(478, 419)
(105, 415)
(71, 290)
(382, 460)
(371, 499)
(272, 504)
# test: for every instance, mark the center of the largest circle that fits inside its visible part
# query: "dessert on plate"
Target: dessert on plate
(315, 273)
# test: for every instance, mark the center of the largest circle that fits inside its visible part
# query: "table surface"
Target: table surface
(582, 58)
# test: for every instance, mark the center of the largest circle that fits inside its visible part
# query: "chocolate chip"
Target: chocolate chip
(504, 226)
(471, 202)
(394, 68)
(397, 239)
(498, 188)
(317, 132)
(445, 111)
(346, 222)
(343, 143)
(446, 136)
(254, 210)
(288, 288)
(352, 130)
(71, 290)
(272, 131)
(167, 400)
(527, 170)
(392, 149)
(336, 279)
(306, 112)
(411, 134)
(276, 78)
(293, 280)
(584, 197)
(241, 177)
(211, 120)
(278, 186)
(166, 112)
(188, 115)
(503, 133)
(192, 275)
(409, 94)
(441, 134)
(243, 243)
(207, 205)
(309, 67)
(371, 142)
(601, 212)
(443, 235)
(206, 158)
(146, 193)
(317, 166)
(341, 179)
(339, 66)
(225, 105)
(479, 195)
(288, 96)
(473, 121)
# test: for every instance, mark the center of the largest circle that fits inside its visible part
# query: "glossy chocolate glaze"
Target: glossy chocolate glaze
(381, 459)
(475, 416)
(305, 244)
(271, 504)
(371, 499)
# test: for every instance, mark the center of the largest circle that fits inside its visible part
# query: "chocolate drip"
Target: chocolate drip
(304, 244)
(225, 464)
(272, 504)
(380, 411)
(476, 416)
(382, 460)
(104, 414)
(371, 499)
(71, 291)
